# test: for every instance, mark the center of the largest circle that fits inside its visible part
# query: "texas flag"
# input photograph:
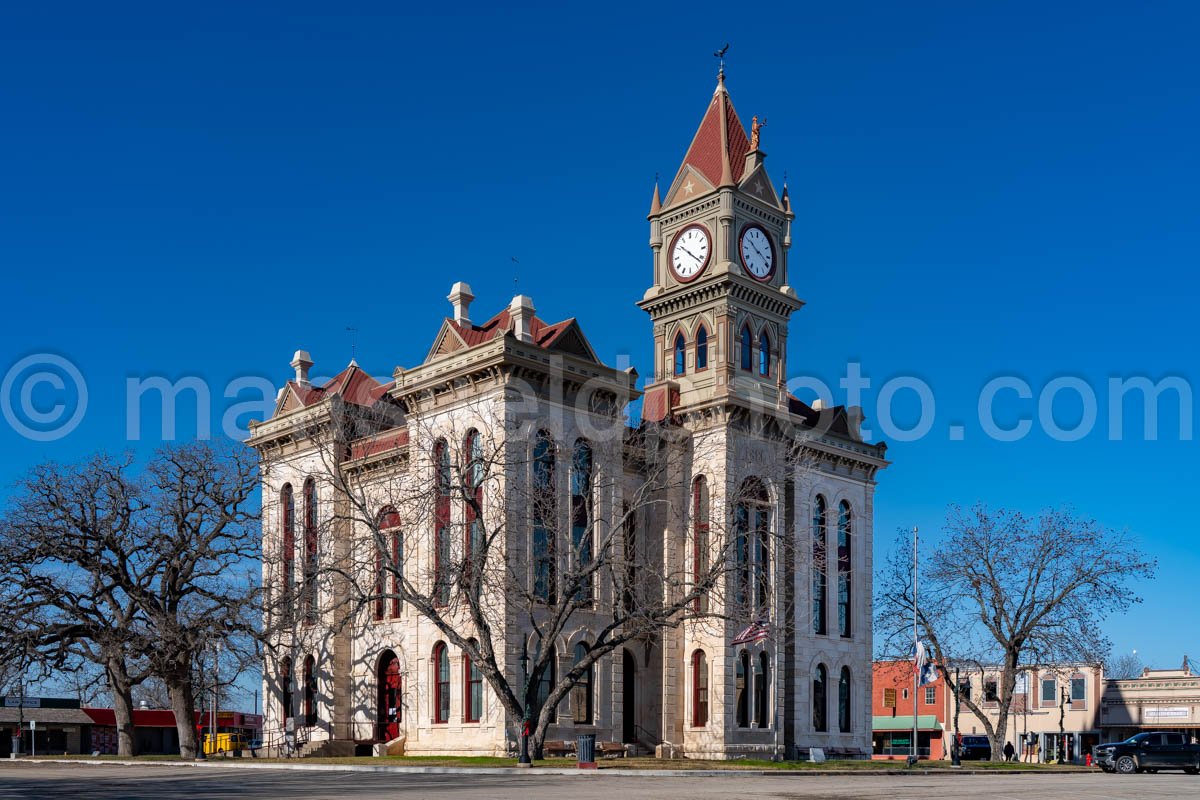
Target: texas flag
(926, 671)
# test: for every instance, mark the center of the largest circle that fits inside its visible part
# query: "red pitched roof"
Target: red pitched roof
(352, 383)
(380, 443)
(720, 145)
(543, 334)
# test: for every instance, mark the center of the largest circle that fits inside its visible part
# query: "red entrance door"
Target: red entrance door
(390, 685)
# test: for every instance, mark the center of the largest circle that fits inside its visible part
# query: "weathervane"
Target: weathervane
(353, 342)
(720, 54)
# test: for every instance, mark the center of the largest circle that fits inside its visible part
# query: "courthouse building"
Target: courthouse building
(720, 297)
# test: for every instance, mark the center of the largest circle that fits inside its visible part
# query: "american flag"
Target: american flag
(757, 632)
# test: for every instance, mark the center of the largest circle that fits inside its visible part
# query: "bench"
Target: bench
(557, 748)
(611, 750)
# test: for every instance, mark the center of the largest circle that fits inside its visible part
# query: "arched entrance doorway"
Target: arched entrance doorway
(390, 697)
(628, 697)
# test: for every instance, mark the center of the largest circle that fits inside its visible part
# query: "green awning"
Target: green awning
(925, 722)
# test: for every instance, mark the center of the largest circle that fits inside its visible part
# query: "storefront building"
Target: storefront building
(1160, 700)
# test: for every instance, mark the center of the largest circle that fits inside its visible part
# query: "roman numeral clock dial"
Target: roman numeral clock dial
(690, 252)
(758, 252)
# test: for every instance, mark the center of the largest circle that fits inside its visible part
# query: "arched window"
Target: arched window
(285, 689)
(844, 571)
(844, 701)
(310, 550)
(764, 354)
(548, 678)
(581, 692)
(389, 711)
(472, 688)
(310, 691)
(441, 685)
(474, 545)
(699, 689)
(287, 504)
(442, 580)
(702, 348)
(818, 566)
(389, 561)
(752, 547)
(680, 354)
(545, 519)
(820, 699)
(747, 348)
(762, 691)
(741, 690)
(582, 516)
(700, 531)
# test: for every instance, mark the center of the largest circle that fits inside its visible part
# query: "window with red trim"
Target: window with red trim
(702, 348)
(441, 520)
(700, 531)
(441, 693)
(287, 502)
(310, 551)
(472, 688)
(699, 689)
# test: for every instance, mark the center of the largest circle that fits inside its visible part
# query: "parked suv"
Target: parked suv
(975, 748)
(1148, 752)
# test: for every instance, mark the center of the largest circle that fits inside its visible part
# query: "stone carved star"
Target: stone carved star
(758, 186)
(689, 187)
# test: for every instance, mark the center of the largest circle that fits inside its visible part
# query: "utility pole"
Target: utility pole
(955, 747)
(916, 648)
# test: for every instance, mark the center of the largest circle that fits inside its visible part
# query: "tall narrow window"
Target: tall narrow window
(818, 565)
(741, 555)
(582, 517)
(699, 689)
(545, 520)
(441, 687)
(287, 505)
(762, 691)
(702, 348)
(442, 580)
(285, 688)
(310, 691)
(844, 571)
(680, 354)
(629, 529)
(819, 698)
(764, 354)
(389, 561)
(752, 547)
(700, 531)
(581, 692)
(472, 688)
(310, 551)
(844, 701)
(747, 348)
(742, 696)
(474, 544)
(548, 678)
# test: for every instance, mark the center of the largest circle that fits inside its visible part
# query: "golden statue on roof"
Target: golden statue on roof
(755, 126)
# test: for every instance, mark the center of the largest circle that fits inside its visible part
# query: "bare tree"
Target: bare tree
(1000, 592)
(68, 538)
(1123, 666)
(199, 589)
(499, 527)
(135, 573)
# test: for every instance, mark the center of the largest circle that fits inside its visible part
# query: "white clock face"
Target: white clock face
(689, 253)
(758, 254)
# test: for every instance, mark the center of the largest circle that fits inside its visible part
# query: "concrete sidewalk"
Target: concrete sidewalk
(548, 771)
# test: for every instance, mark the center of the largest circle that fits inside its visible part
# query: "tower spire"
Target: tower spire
(656, 202)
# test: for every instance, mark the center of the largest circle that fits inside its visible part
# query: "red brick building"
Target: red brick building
(892, 713)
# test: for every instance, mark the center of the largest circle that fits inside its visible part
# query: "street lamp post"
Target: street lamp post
(201, 756)
(955, 747)
(523, 759)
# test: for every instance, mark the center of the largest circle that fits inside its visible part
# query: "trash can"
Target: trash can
(585, 749)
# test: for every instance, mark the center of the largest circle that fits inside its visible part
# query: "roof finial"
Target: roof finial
(353, 342)
(720, 54)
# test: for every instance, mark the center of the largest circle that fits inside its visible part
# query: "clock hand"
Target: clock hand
(690, 253)
(760, 252)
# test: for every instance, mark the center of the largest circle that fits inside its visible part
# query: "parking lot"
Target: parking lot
(110, 782)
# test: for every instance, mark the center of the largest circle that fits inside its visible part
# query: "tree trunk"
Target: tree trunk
(121, 689)
(183, 703)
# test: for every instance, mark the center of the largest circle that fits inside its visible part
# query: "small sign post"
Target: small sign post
(32, 738)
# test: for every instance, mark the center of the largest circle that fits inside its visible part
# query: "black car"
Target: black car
(975, 748)
(1148, 752)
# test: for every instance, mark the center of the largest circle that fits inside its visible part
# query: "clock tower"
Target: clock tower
(720, 299)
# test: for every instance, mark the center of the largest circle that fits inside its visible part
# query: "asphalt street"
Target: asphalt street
(101, 782)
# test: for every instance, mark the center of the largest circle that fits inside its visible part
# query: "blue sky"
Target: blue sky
(980, 190)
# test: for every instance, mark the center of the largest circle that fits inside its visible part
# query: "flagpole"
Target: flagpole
(916, 647)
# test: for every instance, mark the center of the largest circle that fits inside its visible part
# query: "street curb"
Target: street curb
(558, 771)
